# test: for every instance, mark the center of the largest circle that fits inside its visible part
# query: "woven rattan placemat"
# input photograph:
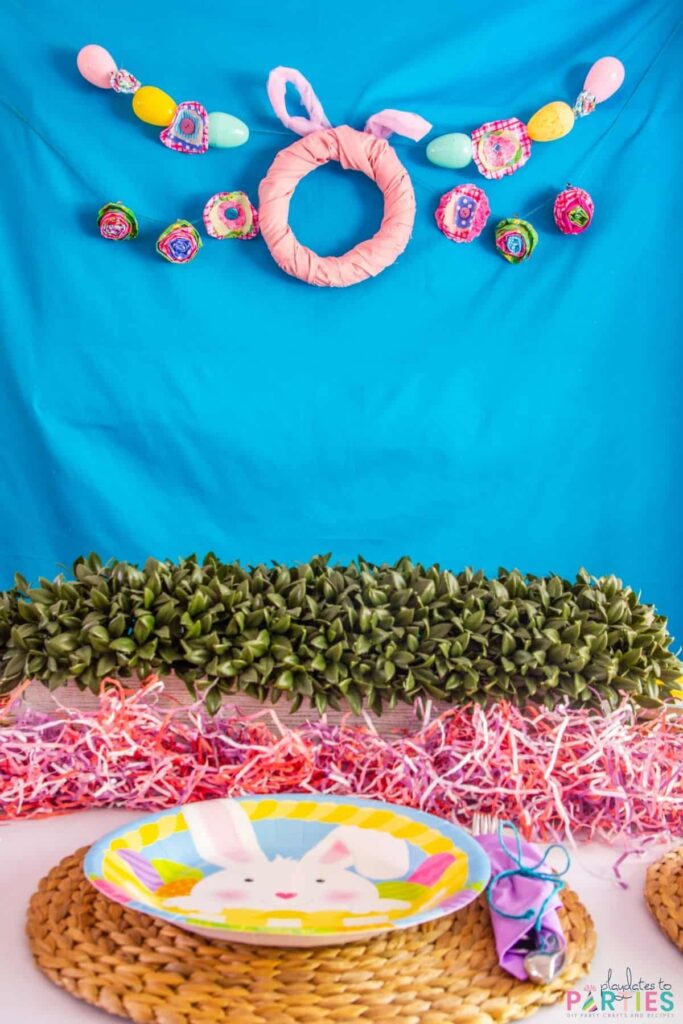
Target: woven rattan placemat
(664, 894)
(134, 966)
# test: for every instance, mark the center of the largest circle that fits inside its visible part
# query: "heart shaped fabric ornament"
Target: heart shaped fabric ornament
(188, 132)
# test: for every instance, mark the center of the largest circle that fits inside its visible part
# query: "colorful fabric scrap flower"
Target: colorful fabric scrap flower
(515, 239)
(501, 147)
(179, 242)
(573, 210)
(123, 81)
(585, 104)
(188, 132)
(462, 213)
(116, 222)
(231, 215)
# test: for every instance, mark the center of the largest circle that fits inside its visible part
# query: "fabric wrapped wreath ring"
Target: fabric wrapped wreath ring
(366, 151)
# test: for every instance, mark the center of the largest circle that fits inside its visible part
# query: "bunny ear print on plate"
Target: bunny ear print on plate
(222, 832)
(373, 854)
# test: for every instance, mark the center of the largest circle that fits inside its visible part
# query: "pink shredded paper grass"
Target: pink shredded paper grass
(561, 773)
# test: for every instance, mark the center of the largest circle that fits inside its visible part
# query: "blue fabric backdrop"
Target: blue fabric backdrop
(455, 408)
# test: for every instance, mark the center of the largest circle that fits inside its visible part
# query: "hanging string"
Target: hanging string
(88, 185)
(591, 151)
(153, 221)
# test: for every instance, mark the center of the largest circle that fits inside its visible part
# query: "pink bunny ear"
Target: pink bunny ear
(386, 122)
(337, 853)
(222, 832)
(373, 854)
(277, 85)
(382, 124)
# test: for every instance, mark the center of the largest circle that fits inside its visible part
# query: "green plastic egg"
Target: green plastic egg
(226, 131)
(453, 150)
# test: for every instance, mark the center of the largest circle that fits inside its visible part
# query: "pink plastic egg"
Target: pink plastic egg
(604, 78)
(96, 65)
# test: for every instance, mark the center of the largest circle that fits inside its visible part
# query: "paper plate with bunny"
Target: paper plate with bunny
(290, 870)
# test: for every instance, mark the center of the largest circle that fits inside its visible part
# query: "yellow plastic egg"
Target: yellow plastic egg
(551, 122)
(154, 106)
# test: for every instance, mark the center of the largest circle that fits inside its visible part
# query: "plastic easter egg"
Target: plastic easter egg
(551, 122)
(154, 106)
(226, 131)
(452, 151)
(96, 65)
(604, 78)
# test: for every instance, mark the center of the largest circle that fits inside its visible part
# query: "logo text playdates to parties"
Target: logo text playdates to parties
(622, 997)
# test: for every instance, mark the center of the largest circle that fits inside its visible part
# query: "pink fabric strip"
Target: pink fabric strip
(277, 88)
(381, 125)
(386, 122)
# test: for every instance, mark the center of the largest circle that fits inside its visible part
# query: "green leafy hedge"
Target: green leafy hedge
(365, 634)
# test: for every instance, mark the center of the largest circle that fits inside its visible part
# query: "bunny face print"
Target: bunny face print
(289, 869)
(335, 875)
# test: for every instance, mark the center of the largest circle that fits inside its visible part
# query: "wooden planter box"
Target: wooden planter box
(403, 717)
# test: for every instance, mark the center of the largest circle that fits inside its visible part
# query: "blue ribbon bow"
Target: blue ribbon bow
(527, 871)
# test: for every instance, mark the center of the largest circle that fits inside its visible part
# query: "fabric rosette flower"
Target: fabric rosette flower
(585, 104)
(462, 213)
(117, 222)
(124, 82)
(573, 210)
(515, 239)
(231, 215)
(179, 242)
(501, 147)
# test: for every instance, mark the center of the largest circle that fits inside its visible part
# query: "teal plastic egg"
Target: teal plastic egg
(453, 150)
(226, 131)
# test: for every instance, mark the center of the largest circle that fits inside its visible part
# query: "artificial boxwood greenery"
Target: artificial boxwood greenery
(359, 634)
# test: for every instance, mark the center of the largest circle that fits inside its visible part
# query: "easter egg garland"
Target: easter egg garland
(188, 127)
(502, 147)
(498, 148)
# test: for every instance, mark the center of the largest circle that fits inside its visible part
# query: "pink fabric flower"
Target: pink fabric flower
(462, 213)
(573, 210)
(501, 147)
(179, 243)
(116, 222)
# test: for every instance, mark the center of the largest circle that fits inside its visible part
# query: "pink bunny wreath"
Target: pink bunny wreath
(366, 151)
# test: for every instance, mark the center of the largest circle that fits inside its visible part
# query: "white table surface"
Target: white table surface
(627, 935)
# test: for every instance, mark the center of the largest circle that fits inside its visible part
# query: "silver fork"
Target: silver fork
(544, 953)
(484, 824)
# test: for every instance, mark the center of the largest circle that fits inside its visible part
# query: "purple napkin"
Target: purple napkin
(515, 894)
